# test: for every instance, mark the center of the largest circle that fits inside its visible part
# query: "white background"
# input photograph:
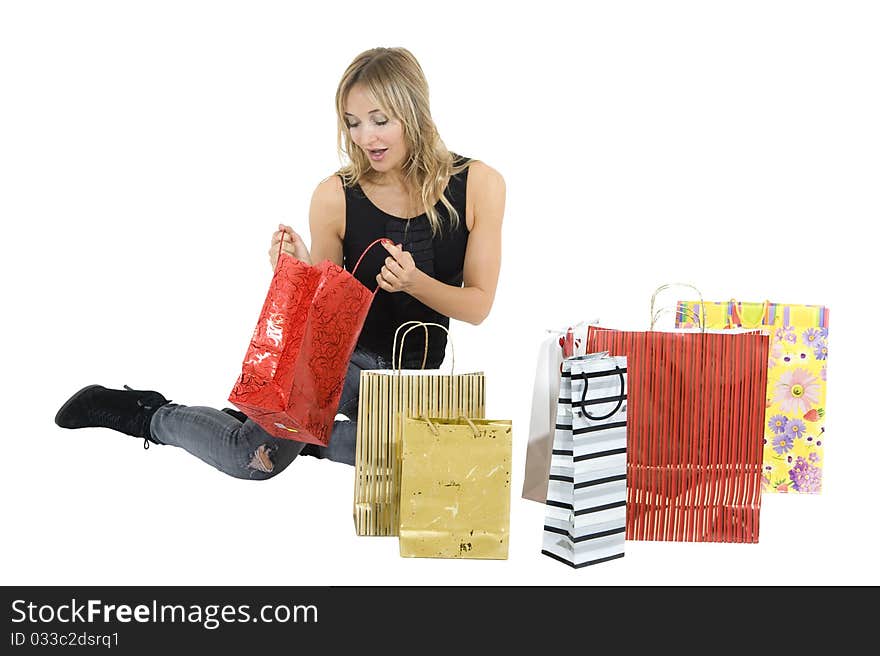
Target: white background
(148, 150)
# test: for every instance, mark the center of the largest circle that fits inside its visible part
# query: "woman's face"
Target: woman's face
(374, 131)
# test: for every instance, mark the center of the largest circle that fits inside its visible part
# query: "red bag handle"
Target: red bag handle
(381, 240)
(280, 244)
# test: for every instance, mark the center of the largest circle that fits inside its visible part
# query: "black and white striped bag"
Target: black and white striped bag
(585, 518)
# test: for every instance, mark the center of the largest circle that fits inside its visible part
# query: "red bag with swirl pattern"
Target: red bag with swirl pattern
(292, 375)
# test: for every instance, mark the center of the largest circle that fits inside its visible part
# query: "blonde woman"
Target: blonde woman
(443, 213)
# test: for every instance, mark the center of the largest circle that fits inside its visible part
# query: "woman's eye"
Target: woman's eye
(352, 125)
(382, 122)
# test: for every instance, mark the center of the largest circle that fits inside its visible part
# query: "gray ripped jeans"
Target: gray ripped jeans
(245, 450)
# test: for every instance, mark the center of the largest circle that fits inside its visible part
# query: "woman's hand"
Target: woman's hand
(471, 301)
(293, 245)
(399, 273)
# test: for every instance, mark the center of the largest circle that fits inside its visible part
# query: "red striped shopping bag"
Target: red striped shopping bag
(694, 432)
(794, 418)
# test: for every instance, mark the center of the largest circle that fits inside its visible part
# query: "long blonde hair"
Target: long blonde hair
(396, 81)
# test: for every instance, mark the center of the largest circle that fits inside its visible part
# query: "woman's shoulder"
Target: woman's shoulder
(328, 204)
(484, 179)
(330, 192)
(330, 186)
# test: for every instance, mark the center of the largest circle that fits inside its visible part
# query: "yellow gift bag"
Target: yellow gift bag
(455, 488)
(794, 422)
(386, 399)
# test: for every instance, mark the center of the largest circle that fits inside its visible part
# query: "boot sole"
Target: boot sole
(70, 402)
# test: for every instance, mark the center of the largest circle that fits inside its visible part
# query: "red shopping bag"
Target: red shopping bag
(292, 375)
(694, 434)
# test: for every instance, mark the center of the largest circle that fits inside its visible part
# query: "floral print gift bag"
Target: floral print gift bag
(794, 429)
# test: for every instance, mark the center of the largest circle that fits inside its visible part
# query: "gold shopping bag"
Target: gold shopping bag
(455, 488)
(386, 398)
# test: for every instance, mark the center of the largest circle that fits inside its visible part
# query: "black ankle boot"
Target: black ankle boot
(127, 411)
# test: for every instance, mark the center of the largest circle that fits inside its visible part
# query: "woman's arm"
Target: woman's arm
(482, 260)
(326, 224)
(327, 221)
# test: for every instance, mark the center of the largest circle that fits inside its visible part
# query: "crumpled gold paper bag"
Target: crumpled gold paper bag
(455, 488)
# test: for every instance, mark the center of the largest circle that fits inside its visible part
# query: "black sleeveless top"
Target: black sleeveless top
(440, 256)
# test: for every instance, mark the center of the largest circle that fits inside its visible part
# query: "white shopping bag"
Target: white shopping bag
(557, 344)
(585, 519)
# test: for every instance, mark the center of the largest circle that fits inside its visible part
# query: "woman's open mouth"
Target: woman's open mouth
(377, 154)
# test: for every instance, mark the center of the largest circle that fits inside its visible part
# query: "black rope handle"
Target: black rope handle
(619, 398)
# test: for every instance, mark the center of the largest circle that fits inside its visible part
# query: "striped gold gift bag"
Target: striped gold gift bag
(455, 488)
(387, 398)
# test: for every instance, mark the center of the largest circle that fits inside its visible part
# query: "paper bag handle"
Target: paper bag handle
(394, 343)
(399, 364)
(436, 431)
(737, 313)
(280, 244)
(654, 314)
(620, 396)
(685, 310)
(381, 240)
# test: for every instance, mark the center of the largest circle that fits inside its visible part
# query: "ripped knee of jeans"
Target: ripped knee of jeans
(261, 461)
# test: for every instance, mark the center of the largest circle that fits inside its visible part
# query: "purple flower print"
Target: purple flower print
(805, 477)
(777, 423)
(811, 336)
(813, 458)
(821, 351)
(786, 334)
(795, 428)
(823, 333)
(824, 373)
(783, 443)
